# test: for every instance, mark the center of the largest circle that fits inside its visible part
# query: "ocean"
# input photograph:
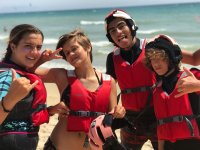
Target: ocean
(181, 21)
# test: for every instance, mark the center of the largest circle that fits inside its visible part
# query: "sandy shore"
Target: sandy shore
(53, 98)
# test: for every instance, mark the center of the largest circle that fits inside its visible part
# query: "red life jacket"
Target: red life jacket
(36, 99)
(133, 76)
(175, 116)
(86, 102)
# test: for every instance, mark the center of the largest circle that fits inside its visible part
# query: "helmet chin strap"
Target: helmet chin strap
(170, 71)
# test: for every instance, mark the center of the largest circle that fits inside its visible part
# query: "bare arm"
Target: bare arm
(191, 58)
(50, 75)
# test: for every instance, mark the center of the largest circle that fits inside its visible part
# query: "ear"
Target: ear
(89, 49)
(12, 46)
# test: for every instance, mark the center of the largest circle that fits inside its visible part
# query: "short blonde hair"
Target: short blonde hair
(154, 53)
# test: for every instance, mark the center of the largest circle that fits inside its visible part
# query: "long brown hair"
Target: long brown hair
(17, 33)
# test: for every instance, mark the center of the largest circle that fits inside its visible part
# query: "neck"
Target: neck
(84, 71)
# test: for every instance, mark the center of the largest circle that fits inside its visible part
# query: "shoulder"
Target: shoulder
(110, 58)
(110, 55)
(7, 75)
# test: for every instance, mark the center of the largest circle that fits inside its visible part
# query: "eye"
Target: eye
(39, 47)
(74, 49)
(121, 25)
(27, 48)
(112, 30)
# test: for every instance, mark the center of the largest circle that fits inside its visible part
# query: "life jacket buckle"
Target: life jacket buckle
(171, 119)
(83, 113)
(178, 118)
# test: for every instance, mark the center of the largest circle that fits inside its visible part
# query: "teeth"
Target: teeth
(32, 58)
(122, 37)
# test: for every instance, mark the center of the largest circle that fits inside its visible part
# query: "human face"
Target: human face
(75, 54)
(160, 65)
(120, 33)
(27, 52)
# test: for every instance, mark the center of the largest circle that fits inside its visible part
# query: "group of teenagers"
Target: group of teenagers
(159, 100)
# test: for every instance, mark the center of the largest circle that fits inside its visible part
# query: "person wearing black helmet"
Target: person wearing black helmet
(125, 65)
(178, 122)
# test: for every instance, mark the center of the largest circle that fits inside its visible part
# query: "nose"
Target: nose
(154, 63)
(118, 30)
(35, 50)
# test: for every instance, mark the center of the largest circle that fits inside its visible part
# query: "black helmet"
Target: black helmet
(168, 44)
(117, 13)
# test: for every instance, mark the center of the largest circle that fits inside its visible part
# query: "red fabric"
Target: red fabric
(167, 106)
(132, 76)
(196, 73)
(40, 98)
(83, 100)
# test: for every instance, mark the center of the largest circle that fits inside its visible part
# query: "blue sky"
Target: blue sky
(43, 5)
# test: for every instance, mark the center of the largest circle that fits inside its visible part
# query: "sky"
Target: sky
(45, 5)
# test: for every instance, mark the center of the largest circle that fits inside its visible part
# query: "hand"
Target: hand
(48, 55)
(119, 111)
(187, 84)
(20, 87)
(60, 109)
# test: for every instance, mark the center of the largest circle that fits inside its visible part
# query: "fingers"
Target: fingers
(180, 94)
(49, 54)
(119, 112)
(57, 51)
(34, 84)
(189, 73)
(61, 109)
(13, 74)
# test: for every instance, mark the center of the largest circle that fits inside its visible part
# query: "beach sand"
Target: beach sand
(53, 97)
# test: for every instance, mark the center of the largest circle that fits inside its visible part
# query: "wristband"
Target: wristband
(4, 108)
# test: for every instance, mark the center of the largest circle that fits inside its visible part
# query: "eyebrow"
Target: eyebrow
(116, 25)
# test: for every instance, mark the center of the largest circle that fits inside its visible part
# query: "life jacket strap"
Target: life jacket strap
(179, 118)
(137, 89)
(39, 108)
(86, 142)
(85, 113)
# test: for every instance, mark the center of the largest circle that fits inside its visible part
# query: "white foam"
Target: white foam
(83, 22)
(50, 41)
(150, 31)
(101, 43)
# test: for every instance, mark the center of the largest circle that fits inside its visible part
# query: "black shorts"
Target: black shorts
(19, 141)
(187, 144)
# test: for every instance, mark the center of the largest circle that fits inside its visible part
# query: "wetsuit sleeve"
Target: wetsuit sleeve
(5, 82)
(110, 69)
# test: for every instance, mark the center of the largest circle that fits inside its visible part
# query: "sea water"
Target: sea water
(181, 21)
